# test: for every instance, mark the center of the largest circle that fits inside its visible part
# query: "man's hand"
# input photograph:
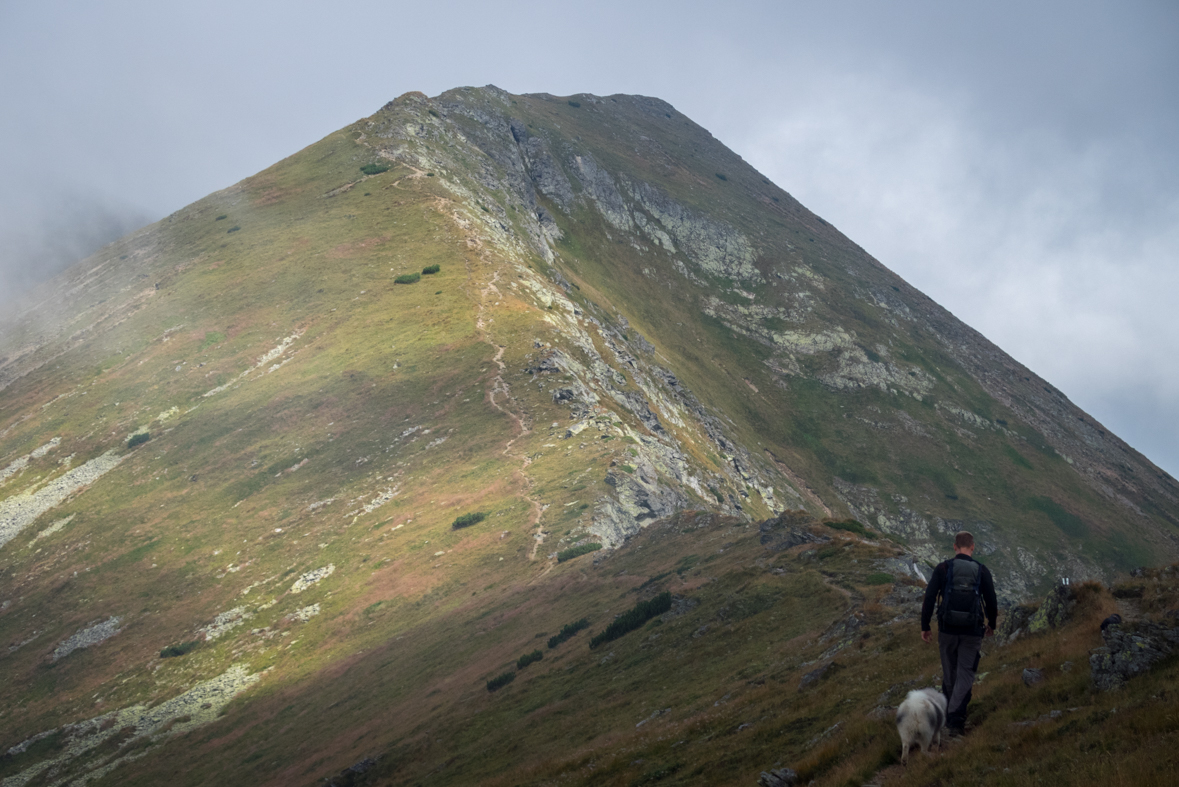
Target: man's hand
(927, 636)
(989, 632)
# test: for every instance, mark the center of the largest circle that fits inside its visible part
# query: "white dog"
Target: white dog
(920, 719)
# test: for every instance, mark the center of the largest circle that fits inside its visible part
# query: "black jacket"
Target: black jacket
(937, 584)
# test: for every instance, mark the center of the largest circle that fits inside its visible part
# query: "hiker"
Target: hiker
(966, 612)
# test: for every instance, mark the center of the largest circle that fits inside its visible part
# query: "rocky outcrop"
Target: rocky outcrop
(79, 741)
(1130, 650)
(787, 530)
(639, 498)
(91, 635)
(20, 511)
(1055, 610)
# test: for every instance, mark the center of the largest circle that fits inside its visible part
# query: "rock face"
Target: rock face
(1130, 650)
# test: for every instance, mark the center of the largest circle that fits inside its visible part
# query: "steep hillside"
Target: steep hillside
(238, 458)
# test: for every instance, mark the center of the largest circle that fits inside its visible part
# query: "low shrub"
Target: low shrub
(633, 618)
(567, 631)
(374, 169)
(234, 228)
(222, 217)
(172, 651)
(528, 658)
(879, 578)
(572, 552)
(850, 525)
(408, 278)
(575, 104)
(430, 269)
(497, 683)
(720, 176)
(138, 439)
(466, 520)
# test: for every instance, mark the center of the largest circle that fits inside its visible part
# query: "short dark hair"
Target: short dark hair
(963, 540)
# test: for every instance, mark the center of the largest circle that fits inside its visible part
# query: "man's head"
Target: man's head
(964, 543)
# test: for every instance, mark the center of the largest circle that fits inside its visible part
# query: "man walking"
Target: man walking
(963, 592)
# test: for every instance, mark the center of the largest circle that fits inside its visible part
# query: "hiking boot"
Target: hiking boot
(955, 731)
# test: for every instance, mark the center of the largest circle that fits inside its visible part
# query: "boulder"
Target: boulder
(777, 777)
(814, 676)
(1014, 622)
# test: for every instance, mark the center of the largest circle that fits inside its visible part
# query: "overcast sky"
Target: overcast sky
(1018, 162)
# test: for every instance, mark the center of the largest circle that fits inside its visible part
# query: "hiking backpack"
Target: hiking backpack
(961, 606)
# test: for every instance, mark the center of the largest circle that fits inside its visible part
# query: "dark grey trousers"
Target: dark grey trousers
(960, 653)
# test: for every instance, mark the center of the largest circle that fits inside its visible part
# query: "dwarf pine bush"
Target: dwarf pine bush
(408, 278)
(578, 551)
(374, 169)
(500, 681)
(528, 658)
(567, 631)
(138, 439)
(172, 651)
(633, 618)
(466, 520)
(850, 525)
(429, 269)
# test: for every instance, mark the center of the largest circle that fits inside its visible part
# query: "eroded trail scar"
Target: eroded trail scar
(499, 389)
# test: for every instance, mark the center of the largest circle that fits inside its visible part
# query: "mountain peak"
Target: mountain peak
(418, 386)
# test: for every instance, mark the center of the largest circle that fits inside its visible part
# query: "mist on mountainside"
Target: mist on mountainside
(43, 237)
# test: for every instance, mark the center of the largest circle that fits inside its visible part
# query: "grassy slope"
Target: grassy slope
(716, 690)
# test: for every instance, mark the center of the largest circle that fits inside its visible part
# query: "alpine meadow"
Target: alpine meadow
(534, 440)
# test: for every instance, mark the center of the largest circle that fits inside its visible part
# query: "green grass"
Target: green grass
(1069, 523)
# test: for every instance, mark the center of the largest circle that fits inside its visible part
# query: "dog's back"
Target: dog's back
(920, 719)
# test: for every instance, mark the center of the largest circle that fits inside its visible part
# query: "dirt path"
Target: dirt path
(499, 391)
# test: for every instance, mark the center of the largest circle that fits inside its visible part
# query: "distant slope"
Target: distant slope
(608, 319)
